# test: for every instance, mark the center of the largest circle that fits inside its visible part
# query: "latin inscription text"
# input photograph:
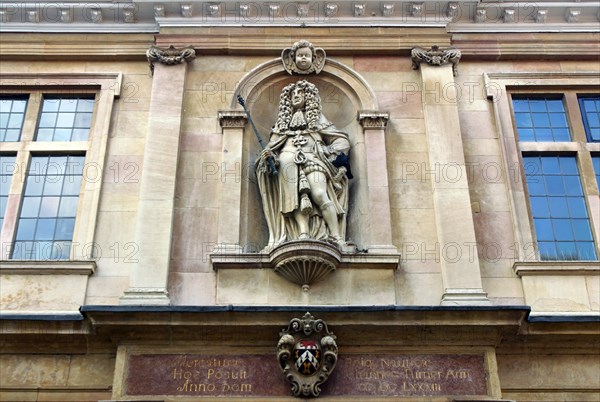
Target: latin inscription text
(412, 375)
(222, 376)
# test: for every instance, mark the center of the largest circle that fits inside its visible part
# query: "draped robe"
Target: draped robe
(280, 193)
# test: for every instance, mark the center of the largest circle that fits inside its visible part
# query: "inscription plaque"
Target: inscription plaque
(205, 375)
(408, 375)
(380, 374)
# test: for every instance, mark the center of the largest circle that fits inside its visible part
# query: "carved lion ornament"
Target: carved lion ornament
(303, 58)
(307, 354)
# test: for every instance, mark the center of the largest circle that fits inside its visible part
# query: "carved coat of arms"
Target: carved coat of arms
(307, 354)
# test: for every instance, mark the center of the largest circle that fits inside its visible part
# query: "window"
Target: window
(541, 119)
(44, 229)
(12, 113)
(64, 119)
(558, 207)
(590, 112)
(53, 135)
(554, 133)
(49, 208)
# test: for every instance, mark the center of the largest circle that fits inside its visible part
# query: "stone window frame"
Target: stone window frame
(499, 88)
(105, 87)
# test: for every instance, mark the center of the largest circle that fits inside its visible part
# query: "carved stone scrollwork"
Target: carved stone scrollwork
(307, 353)
(435, 57)
(373, 120)
(169, 56)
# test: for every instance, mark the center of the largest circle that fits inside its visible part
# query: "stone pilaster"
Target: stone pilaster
(232, 125)
(455, 227)
(373, 124)
(148, 281)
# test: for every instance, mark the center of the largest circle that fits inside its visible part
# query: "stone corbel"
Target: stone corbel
(373, 120)
(232, 119)
(170, 56)
(435, 57)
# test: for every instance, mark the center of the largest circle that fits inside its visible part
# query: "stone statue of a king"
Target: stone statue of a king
(308, 197)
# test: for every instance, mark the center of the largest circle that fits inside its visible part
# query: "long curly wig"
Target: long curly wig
(312, 107)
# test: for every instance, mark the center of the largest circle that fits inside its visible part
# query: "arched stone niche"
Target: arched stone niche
(349, 102)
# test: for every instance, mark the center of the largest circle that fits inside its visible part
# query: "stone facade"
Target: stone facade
(165, 271)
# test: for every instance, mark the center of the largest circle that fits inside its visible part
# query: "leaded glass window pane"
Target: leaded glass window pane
(65, 119)
(590, 112)
(541, 119)
(12, 115)
(558, 207)
(47, 219)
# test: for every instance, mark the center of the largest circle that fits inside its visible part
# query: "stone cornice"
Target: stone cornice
(528, 45)
(155, 16)
(270, 41)
(495, 82)
(557, 268)
(65, 46)
(29, 267)
(335, 40)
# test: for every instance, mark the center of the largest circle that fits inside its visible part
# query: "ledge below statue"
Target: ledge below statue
(301, 261)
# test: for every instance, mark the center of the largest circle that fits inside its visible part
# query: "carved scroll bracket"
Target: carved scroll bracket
(170, 56)
(372, 119)
(435, 57)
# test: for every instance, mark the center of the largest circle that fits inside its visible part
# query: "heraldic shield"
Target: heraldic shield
(307, 354)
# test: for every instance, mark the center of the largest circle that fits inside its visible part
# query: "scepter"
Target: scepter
(260, 141)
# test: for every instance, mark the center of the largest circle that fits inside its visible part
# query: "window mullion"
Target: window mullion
(15, 196)
(574, 116)
(587, 173)
(17, 186)
(584, 159)
(556, 147)
(590, 185)
(31, 117)
(79, 147)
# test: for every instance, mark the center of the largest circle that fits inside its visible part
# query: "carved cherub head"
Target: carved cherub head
(303, 58)
(302, 53)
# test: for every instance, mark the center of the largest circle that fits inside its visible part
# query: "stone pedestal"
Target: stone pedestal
(452, 205)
